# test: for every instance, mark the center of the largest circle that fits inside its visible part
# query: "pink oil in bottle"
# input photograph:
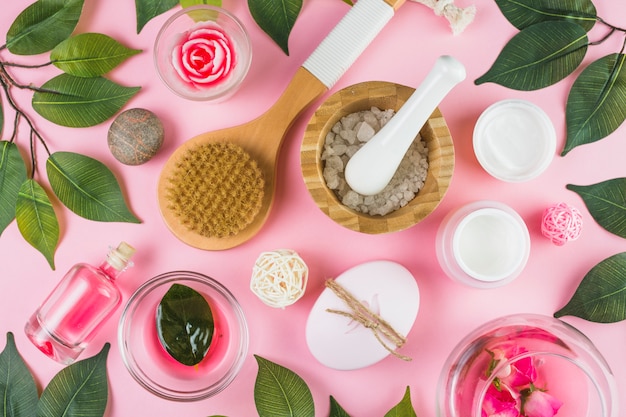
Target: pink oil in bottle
(75, 310)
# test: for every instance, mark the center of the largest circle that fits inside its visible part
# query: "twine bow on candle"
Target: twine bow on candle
(382, 330)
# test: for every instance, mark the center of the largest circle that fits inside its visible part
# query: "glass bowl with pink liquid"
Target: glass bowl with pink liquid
(154, 368)
(526, 365)
(203, 53)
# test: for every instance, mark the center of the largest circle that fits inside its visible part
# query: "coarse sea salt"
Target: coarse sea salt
(345, 138)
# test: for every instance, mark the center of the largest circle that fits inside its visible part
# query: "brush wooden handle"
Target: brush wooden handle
(328, 62)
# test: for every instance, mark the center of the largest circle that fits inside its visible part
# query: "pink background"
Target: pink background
(402, 53)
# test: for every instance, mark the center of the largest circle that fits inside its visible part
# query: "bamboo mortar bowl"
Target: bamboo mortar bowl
(359, 97)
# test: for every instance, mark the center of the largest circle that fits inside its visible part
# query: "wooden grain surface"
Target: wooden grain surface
(363, 96)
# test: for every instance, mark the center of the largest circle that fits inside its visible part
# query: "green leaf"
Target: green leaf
(87, 187)
(280, 392)
(336, 410)
(90, 54)
(404, 408)
(595, 105)
(601, 295)
(37, 220)
(538, 56)
(148, 9)
(79, 390)
(1, 118)
(17, 389)
(80, 102)
(524, 13)
(276, 18)
(185, 324)
(606, 201)
(12, 175)
(43, 25)
(189, 3)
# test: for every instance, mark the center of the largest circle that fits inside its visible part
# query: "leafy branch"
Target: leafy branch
(78, 97)
(551, 44)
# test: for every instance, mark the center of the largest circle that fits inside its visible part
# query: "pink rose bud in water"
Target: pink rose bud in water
(541, 404)
(205, 55)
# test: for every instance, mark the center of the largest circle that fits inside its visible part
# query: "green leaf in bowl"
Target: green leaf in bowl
(279, 391)
(73, 101)
(43, 25)
(12, 175)
(185, 324)
(90, 54)
(524, 13)
(595, 103)
(538, 56)
(601, 295)
(606, 201)
(18, 389)
(87, 187)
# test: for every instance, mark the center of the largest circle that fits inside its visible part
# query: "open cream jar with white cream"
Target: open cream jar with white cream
(514, 140)
(484, 244)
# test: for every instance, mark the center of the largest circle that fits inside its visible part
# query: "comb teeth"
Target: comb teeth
(216, 189)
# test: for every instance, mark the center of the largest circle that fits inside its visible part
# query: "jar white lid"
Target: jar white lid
(514, 140)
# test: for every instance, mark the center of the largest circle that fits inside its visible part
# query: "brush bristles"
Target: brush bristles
(216, 189)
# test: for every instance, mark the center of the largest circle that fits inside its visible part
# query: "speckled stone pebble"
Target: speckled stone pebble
(135, 136)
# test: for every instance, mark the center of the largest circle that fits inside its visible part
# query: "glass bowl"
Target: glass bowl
(532, 361)
(203, 53)
(364, 96)
(154, 369)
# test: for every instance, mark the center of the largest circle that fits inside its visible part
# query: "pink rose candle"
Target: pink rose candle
(526, 366)
(202, 53)
(205, 55)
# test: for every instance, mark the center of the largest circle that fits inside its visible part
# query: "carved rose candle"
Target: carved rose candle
(202, 53)
(205, 55)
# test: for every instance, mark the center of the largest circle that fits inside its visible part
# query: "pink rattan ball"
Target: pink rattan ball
(561, 223)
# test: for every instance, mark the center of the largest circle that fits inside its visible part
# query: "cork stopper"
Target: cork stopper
(119, 258)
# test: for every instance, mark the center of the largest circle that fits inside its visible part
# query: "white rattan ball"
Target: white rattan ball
(279, 277)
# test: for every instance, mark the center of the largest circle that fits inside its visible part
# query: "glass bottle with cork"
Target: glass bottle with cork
(81, 303)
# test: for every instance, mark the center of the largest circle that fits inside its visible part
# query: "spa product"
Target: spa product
(514, 140)
(214, 203)
(483, 244)
(363, 316)
(205, 55)
(135, 136)
(344, 140)
(526, 365)
(561, 223)
(154, 368)
(371, 168)
(279, 277)
(203, 52)
(263, 136)
(80, 304)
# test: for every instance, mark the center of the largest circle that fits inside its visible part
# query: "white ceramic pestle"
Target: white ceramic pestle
(371, 168)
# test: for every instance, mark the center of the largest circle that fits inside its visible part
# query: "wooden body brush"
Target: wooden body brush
(216, 190)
